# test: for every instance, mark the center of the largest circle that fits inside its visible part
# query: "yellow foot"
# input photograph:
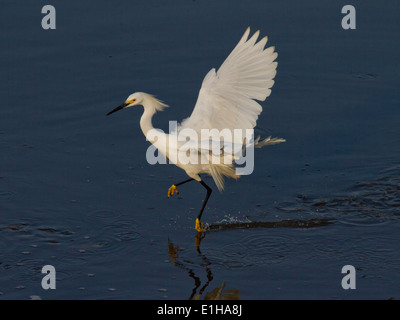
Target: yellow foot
(172, 190)
(199, 226)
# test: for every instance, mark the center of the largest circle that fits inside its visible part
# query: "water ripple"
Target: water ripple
(29, 244)
(254, 249)
(367, 203)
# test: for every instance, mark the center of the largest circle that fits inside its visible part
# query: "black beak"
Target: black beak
(117, 108)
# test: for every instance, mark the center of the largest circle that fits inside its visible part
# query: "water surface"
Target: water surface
(77, 193)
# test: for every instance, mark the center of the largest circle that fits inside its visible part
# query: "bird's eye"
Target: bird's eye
(130, 101)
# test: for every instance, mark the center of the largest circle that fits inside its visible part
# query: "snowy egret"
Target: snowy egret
(226, 101)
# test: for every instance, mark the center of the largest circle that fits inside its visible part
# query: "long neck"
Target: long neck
(145, 121)
(150, 105)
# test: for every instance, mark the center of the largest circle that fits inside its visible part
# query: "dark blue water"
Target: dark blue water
(77, 193)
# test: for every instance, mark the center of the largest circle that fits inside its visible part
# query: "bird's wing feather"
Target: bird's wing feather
(227, 97)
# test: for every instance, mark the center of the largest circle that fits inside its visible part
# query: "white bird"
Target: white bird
(226, 101)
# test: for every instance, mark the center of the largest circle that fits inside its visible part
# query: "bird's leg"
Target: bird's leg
(199, 224)
(173, 188)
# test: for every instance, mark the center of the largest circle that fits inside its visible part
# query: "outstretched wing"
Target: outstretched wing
(227, 97)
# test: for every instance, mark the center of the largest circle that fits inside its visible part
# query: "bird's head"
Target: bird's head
(133, 100)
(141, 98)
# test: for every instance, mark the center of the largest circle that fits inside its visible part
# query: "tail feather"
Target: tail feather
(218, 172)
(267, 142)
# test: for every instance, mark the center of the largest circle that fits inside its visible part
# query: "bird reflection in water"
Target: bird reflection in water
(219, 293)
